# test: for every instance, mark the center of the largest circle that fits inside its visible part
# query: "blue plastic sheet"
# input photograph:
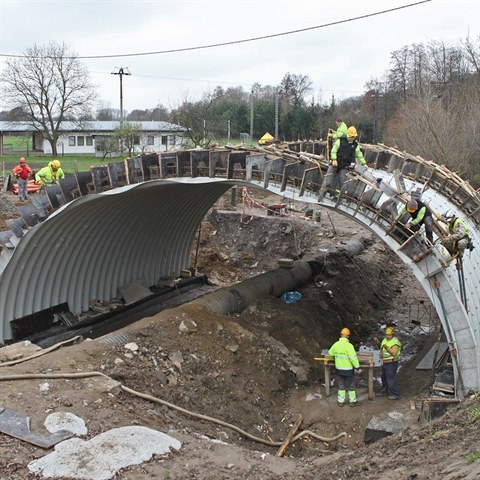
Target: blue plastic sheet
(291, 297)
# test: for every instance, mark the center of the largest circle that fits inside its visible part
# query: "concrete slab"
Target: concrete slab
(104, 455)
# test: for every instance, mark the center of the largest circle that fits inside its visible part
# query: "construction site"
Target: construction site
(180, 328)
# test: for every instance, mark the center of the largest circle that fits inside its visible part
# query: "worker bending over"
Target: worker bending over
(346, 363)
(420, 215)
(458, 238)
(50, 174)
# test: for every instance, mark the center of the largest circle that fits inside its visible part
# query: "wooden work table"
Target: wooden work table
(366, 361)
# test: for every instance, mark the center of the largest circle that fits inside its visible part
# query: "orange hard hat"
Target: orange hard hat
(345, 331)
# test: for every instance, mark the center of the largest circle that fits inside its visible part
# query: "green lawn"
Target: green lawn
(70, 162)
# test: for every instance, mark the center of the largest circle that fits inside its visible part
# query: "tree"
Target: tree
(294, 88)
(106, 145)
(128, 135)
(107, 113)
(199, 118)
(52, 85)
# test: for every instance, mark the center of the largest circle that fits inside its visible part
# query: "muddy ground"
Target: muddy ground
(255, 370)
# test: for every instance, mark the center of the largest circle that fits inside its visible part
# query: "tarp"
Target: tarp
(267, 138)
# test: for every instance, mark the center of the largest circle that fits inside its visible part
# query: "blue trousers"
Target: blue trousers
(389, 378)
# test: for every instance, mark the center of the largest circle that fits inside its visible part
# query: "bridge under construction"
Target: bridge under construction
(133, 222)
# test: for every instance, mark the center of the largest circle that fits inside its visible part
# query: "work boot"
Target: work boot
(393, 397)
(340, 404)
(354, 404)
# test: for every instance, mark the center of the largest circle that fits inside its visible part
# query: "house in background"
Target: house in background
(90, 137)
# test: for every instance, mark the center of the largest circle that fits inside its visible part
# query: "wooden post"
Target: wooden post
(288, 439)
(327, 379)
(371, 394)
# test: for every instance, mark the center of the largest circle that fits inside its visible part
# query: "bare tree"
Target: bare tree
(52, 85)
(200, 119)
(472, 52)
(294, 88)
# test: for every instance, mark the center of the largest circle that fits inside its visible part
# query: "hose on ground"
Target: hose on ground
(30, 376)
(41, 352)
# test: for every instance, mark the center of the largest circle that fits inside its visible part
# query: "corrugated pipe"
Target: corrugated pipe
(236, 298)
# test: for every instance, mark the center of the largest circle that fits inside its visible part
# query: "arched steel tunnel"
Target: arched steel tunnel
(137, 221)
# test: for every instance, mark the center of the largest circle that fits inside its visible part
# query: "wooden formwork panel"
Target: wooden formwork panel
(409, 168)
(134, 170)
(318, 148)
(199, 159)
(168, 164)
(69, 186)
(218, 163)
(311, 180)
(371, 156)
(184, 164)
(382, 159)
(55, 196)
(292, 175)
(117, 174)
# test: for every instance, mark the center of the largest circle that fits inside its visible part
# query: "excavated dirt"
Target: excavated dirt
(255, 370)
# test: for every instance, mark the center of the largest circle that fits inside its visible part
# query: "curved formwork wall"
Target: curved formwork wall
(94, 245)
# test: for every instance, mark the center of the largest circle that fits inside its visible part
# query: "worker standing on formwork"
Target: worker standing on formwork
(345, 151)
(341, 131)
(346, 363)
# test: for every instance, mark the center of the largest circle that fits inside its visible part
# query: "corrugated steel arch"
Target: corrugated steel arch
(92, 246)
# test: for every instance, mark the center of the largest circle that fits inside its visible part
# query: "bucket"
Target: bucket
(318, 216)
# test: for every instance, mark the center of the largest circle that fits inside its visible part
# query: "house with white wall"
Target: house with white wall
(88, 137)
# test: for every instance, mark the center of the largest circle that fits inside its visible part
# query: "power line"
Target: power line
(235, 42)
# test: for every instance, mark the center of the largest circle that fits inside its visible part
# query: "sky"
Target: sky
(339, 59)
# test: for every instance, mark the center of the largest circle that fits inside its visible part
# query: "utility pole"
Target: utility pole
(251, 116)
(120, 71)
(276, 114)
(375, 96)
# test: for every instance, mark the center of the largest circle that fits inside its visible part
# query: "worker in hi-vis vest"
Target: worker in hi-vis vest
(346, 364)
(390, 348)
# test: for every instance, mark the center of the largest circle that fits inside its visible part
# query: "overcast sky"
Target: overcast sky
(339, 59)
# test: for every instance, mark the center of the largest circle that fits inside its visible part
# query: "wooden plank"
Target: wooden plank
(288, 438)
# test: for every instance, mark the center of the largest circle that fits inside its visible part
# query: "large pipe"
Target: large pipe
(236, 298)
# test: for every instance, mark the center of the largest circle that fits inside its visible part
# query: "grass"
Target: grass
(473, 413)
(70, 163)
(438, 434)
(472, 457)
